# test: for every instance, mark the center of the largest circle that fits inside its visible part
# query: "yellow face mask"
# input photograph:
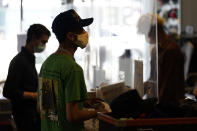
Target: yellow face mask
(82, 40)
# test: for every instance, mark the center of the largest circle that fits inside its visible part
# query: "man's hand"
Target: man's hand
(92, 103)
(30, 95)
(101, 108)
(149, 87)
(34, 95)
(97, 104)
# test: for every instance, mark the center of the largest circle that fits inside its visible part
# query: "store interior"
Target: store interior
(117, 55)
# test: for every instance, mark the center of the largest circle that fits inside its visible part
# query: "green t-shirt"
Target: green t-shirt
(61, 81)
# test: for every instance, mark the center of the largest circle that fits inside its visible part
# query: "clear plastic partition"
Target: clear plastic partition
(119, 47)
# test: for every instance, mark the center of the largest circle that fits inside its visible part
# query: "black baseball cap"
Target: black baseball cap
(67, 21)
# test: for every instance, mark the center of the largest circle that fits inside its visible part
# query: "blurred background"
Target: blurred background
(114, 44)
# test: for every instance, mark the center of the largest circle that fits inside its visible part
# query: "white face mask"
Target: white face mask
(39, 48)
(82, 40)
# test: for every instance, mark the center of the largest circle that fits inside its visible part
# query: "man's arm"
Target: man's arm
(74, 114)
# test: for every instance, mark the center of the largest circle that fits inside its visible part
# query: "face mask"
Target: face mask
(39, 48)
(82, 40)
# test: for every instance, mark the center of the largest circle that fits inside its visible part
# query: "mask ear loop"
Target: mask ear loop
(71, 36)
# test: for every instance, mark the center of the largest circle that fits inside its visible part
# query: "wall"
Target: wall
(188, 14)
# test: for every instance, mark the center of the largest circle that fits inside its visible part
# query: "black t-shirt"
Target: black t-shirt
(22, 76)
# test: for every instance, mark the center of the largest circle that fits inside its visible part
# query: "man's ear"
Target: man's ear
(33, 38)
(70, 36)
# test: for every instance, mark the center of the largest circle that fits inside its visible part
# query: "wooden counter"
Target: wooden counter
(108, 123)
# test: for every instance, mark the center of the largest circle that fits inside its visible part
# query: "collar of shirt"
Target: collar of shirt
(64, 51)
(30, 56)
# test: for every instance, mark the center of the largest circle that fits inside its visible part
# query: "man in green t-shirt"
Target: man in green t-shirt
(62, 88)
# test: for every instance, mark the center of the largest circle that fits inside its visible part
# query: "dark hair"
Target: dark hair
(153, 28)
(61, 36)
(38, 30)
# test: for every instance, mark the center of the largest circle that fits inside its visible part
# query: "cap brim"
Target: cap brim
(86, 22)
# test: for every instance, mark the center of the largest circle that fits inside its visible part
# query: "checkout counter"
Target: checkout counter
(6, 122)
(107, 121)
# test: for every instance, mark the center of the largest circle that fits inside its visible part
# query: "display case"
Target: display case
(6, 120)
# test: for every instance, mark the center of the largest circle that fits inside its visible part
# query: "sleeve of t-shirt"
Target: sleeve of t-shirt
(75, 89)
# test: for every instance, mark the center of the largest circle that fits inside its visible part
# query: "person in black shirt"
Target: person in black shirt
(22, 80)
